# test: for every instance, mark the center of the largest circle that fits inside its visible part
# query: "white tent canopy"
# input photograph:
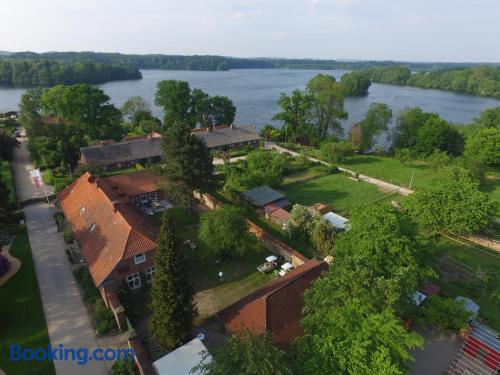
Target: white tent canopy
(337, 221)
(271, 258)
(182, 360)
(286, 266)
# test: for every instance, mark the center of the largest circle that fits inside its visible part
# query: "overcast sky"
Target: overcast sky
(411, 30)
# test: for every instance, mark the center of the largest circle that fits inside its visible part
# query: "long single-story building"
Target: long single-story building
(226, 137)
(116, 155)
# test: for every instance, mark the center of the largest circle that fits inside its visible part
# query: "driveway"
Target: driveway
(66, 316)
(65, 313)
(21, 165)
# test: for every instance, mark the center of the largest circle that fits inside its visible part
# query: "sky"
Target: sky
(404, 30)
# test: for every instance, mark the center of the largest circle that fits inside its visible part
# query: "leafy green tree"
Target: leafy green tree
(355, 137)
(296, 114)
(356, 83)
(30, 108)
(392, 75)
(484, 146)
(246, 354)
(439, 160)
(489, 118)
(175, 99)
(437, 134)
(323, 237)
(452, 203)
(172, 292)
(135, 106)
(444, 314)
(353, 339)
(408, 122)
(404, 155)
(123, 367)
(85, 107)
(7, 145)
(336, 152)
(221, 110)
(377, 120)
(270, 133)
(187, 165)
(379, 261)
(224, 231)
(302, 222)
(328, 105)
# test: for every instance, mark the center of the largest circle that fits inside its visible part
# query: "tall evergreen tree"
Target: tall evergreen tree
(188, 164)
(172, 292)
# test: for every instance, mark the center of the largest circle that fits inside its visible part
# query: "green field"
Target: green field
(336, 190)
(240, 276)
(477, 276)
(22, 320)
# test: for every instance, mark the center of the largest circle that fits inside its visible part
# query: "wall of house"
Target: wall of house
(127, 267)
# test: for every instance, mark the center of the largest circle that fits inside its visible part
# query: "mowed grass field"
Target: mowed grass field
(338, 191)
(22, 320)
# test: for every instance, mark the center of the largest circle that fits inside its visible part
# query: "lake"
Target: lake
(255, 93)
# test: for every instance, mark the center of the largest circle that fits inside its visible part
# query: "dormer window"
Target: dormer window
(139, 258)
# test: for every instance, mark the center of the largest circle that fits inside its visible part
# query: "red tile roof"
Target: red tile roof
(136, 183)
(106, 229)
(276, 307)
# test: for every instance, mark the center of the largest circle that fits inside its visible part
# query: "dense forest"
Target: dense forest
(47, 73)
(477, 80)
(198, 62)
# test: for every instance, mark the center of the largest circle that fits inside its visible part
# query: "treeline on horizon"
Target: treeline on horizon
(46, 72)
(478, 80)
(219, 63)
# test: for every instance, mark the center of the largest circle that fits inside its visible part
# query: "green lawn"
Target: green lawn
(336, 190)
(484, 267)
(390, 170)
(240, 276)
(22, 320)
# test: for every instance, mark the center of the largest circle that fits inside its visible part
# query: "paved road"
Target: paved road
(21, 165)
(66, 316)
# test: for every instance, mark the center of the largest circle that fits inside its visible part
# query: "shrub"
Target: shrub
(123, 367)
(4, 265)
(336, 152)
(68, 235)
(89, 291)
(104, 319)
(445, 314)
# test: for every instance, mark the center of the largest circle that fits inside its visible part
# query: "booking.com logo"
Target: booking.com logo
(60, 353)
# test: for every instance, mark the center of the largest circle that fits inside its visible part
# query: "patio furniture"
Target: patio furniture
(270, 264)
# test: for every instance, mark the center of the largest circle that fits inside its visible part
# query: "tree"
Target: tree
(489, 118)
(271, 133)
(377, 120)
(187, 165)
(404, 155)
(296, 114)
(172, 293)
(7, 145)
(30, 116)
(379, 261)
(221, 110)
(452, 203)
(408, 122)
(85, 107)
(353, 339)
(328, 105)
(437, 134)
(444, 314)
(302, 222)
(336, 152)
(356, 83)
(175, 99)
(224, 231)
(484, 145)
(246, 354)
(323, 237)
(355, 137)
(135, 106)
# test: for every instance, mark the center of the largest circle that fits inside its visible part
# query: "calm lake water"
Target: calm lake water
(255, 93)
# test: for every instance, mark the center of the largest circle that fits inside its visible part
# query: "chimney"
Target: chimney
(91, 179)
(116, 205)
(232, 126)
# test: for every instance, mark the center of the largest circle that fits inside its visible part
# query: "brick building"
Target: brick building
(275, 308)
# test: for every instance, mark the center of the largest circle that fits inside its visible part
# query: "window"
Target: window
(149, 274)
(144, 197)
(135, 200)
(152, 196)
(140, 258)
(134, 281)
